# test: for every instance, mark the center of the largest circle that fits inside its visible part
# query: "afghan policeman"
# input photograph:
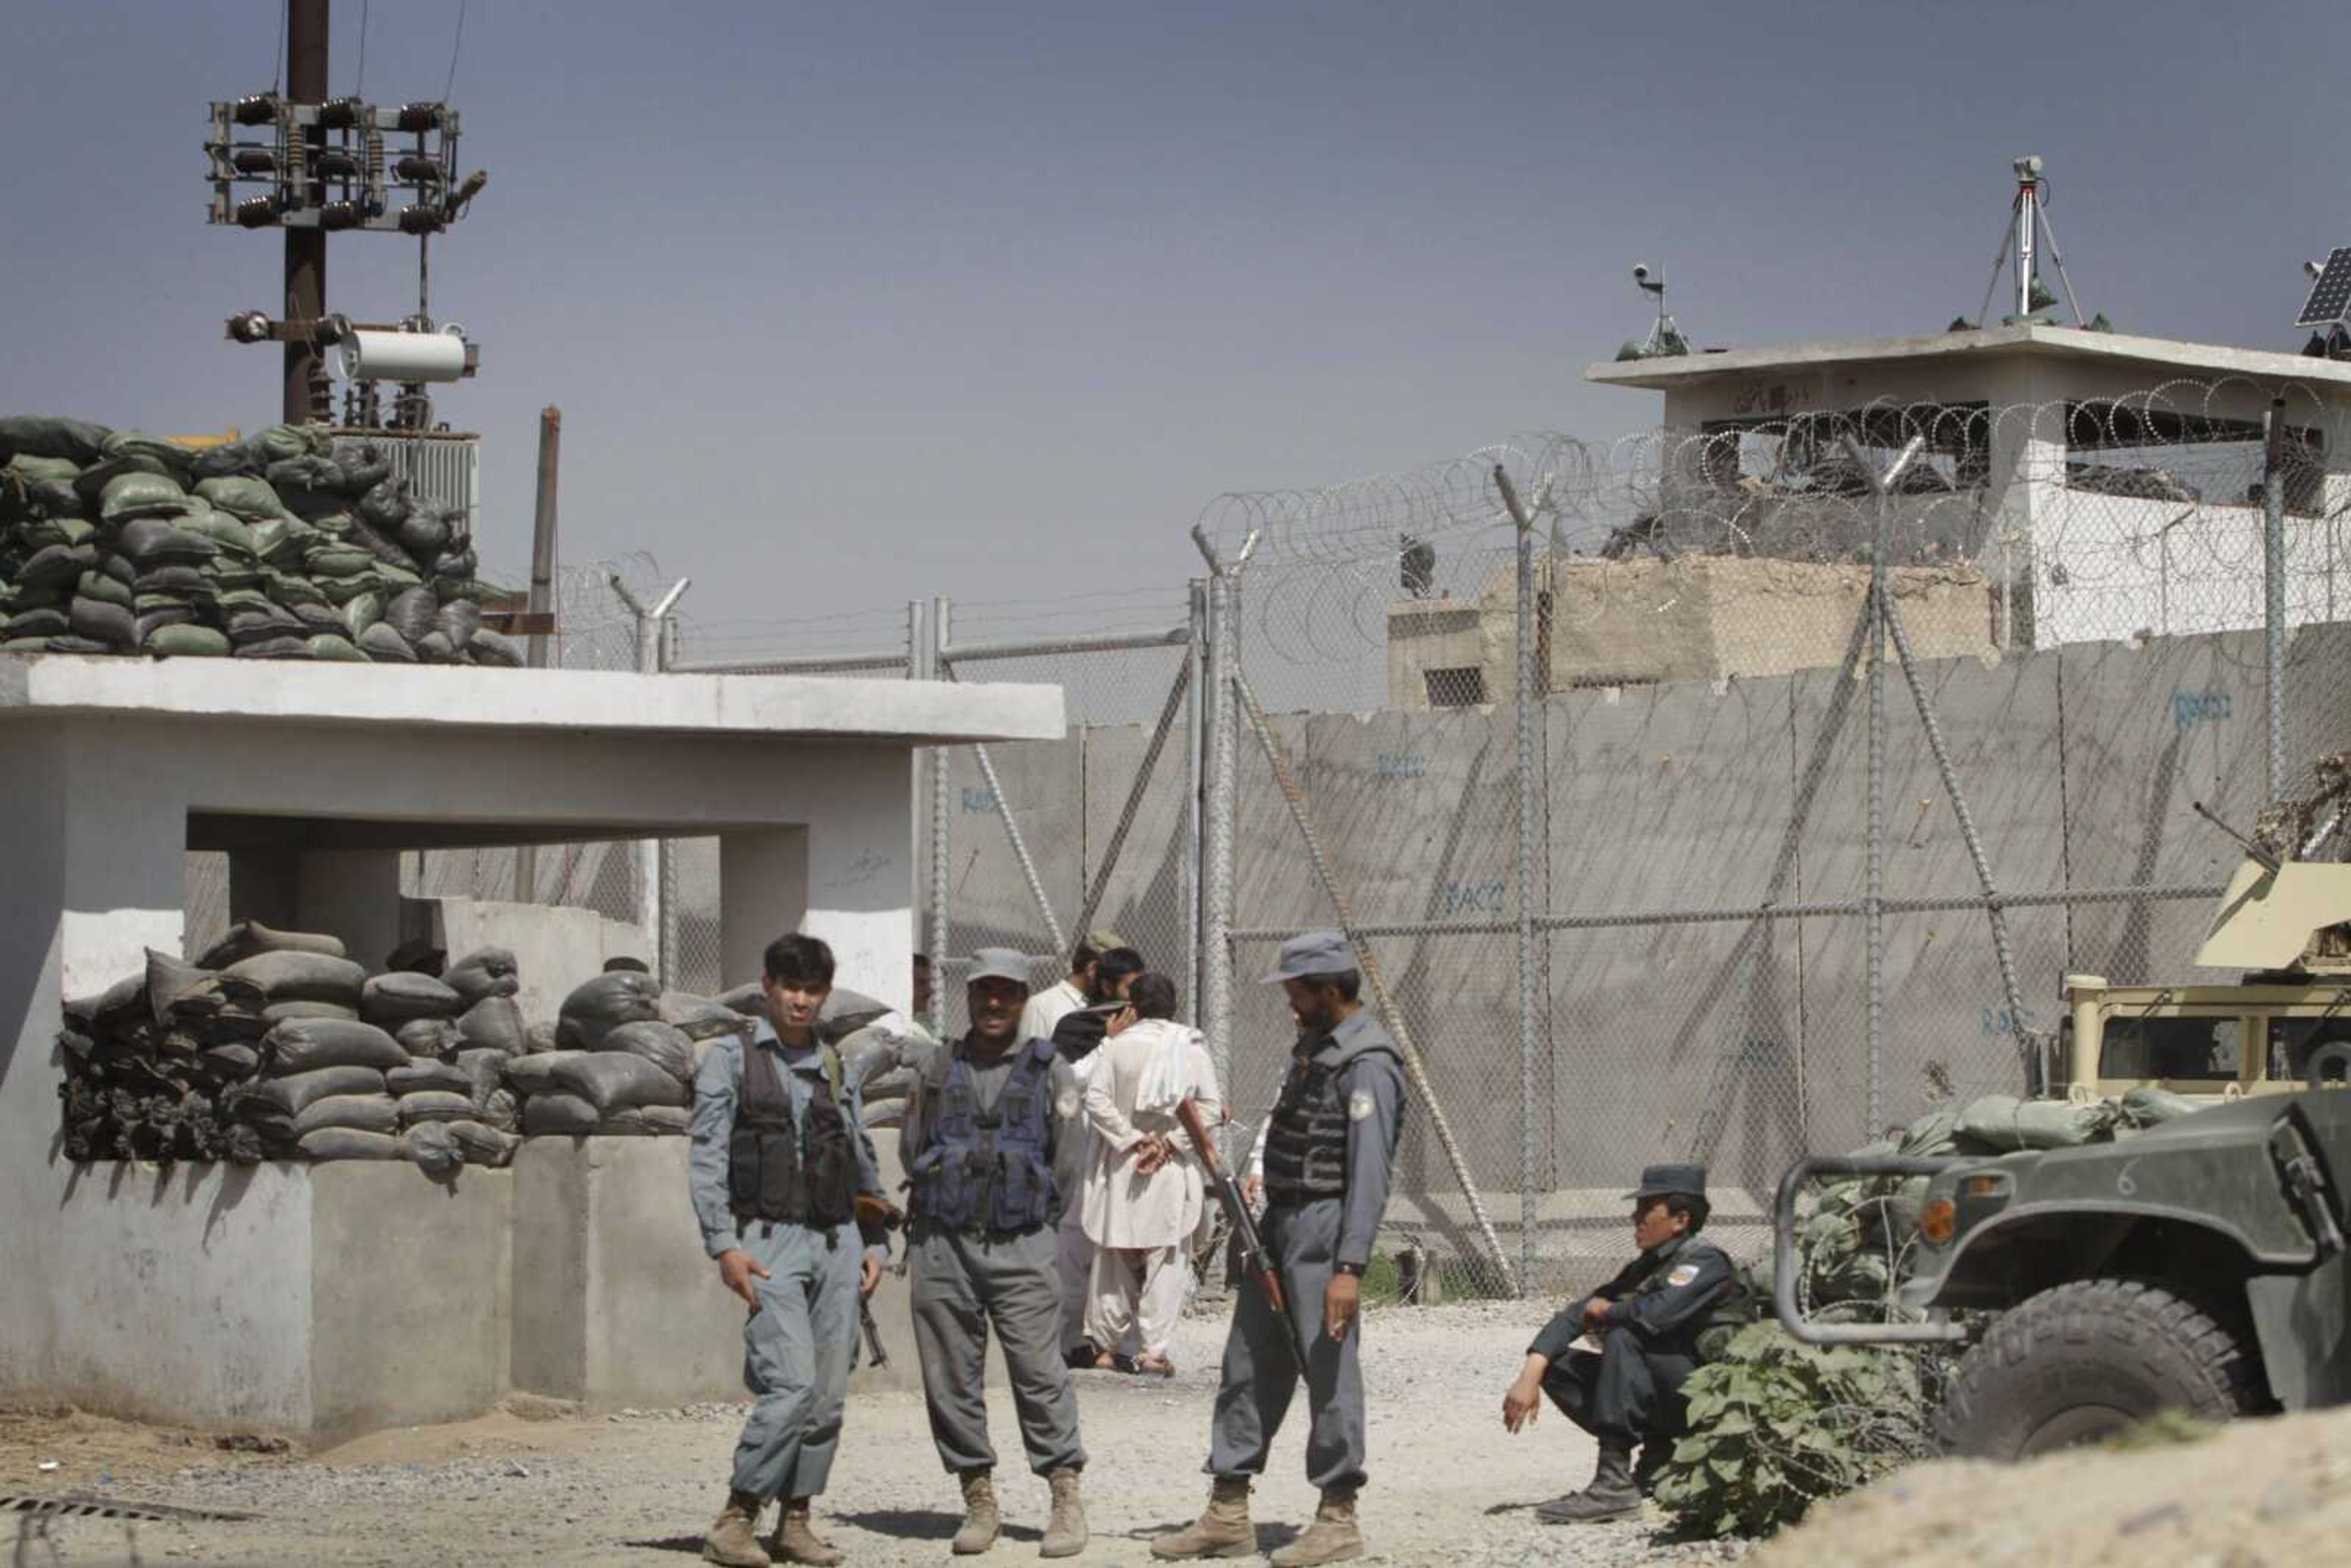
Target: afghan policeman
(990, 1145)
(1614, 1361)
(1329, 1147)
(779, 1155)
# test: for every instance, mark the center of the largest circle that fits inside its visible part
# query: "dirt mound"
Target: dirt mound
(2255, 1493)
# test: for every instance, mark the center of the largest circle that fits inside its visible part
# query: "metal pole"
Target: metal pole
(542, 599)
(1195, 707)
(1216, 1008)
(305, 248)
(936, 669)
(1523, 715)
(651, 643)
(2273, 596)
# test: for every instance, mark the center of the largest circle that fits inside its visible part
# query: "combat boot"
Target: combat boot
(1331, 1538)
(980, 1518)
(1223, 1531)
(734, 1540)
(796, 1541)
(1065, 1532)
(1651, 1465)
(1610, 1495)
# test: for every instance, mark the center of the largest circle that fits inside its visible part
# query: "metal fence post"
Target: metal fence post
(2274, 597)
(1522, 712)
(941, 609)
(651, 645)
(1215, 1008)
(1195, 706)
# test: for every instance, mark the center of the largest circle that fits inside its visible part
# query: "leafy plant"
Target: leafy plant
(1774, 1426)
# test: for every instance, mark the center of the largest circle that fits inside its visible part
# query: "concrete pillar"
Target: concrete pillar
(763, 892)
(263, 885)
(353, 894)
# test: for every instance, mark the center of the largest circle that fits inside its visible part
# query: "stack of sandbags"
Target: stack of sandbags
(618, 1068)
(286, 544)
(459, 1028)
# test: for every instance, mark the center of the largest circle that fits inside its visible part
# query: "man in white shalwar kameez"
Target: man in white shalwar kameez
(1144, 1195)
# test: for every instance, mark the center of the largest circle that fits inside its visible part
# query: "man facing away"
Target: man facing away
(1614, 1361)
(988, 1146)
(1077, 1037)
(1076, 989)
(1144, 1190)
(779, 1156)
(1328, 1154)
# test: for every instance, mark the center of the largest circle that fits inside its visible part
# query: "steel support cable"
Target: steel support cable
(1141, 787)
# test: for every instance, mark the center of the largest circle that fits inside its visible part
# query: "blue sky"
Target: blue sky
(850, 304)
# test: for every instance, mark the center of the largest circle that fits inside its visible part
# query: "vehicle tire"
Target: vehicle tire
(2081, 1362)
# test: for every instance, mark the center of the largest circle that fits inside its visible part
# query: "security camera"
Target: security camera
(1640, 272)
(252, 326)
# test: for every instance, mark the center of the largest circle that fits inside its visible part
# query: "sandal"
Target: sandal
(1153, 1367)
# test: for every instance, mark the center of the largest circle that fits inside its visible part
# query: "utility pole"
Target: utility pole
(306, 246)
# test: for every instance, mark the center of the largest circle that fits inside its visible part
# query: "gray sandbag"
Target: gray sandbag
(424, 534)
(659, 1043)
(303, 1045)
(250, 500)
(386, 646)
(302, 975)
(274, 648)
(649, 1122)
(484, 1068)
(279, 1012)
(411, 614)
(483, 973)
(177, 987)
(845, 1012)
(748, 1000)
(429, 1037)
(493, 1023)
(129, 497)
(174, 579)
(499, 1108)
(291, 1095)
(250, 939)
(102, 621)
(391, 1000)
(531, 1076)
(421, 1073)
(328, 1144)
(482, 1145)
(329, 648)
(56, 566)
(74, 643)
(361, 612)
(2003, 1124)
(107, 590)
(179, 639)
(698, 1017)
(430, 1147)
(153, 542)
(41, 623)
(246, 626)
(234, 1063)
(489, 647)
(360, 1112)
(541, 1037)
(458, 620)
(600, 1006)
(434, 648)
(435, 1105)
(321, 618)
(385, 503)
(556, 1114)
(77, 441)
(617, 1081)
(363, 465)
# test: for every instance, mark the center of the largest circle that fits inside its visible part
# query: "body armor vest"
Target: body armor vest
(775, 1172)
(1306, 1144)
(989, 1171)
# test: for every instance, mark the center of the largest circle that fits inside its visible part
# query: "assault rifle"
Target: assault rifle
(876, 1218)
(1256, 1262)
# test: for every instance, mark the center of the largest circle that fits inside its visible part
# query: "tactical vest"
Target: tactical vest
(1306, 1143)
(774, 1174)
(989, 1171)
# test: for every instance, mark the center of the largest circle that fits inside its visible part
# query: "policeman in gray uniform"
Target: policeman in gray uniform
(1328, 1151)
(990, 1153)
(780, 1154)
(1614, 1361)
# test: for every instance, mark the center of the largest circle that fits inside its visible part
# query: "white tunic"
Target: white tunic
(1123, 1207)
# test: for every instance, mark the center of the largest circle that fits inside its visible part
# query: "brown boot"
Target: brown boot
(734, 1540)
(1331, 1538)
(797, 1542)
(1223, 1531)
(980, 1518)
(1065, 1532)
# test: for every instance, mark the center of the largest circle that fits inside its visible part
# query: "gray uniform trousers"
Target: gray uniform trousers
(1259, 1376)
(796, 1345)
(958, 1286)
(1629, 1392)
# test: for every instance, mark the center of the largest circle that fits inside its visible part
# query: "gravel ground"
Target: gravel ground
(1448, 1485)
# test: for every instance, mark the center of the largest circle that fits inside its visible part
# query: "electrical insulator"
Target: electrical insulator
(338, 215)
(421, 220)
(257, 211)
(261, 108)
(421, 116)
(254, 161)
(418, 170)
(339, 113)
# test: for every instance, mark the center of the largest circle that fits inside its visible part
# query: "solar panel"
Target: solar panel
(2330, 297)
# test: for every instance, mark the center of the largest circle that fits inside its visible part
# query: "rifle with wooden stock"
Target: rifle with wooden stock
(1256, 1262)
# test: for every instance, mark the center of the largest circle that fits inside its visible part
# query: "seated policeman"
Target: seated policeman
(1614, 1361)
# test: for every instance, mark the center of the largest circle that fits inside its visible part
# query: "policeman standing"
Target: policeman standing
(1328, 1151)
(989, 1146)
(1614, 1361)
(779, 1156)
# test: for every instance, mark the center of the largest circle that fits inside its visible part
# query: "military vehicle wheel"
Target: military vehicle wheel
(2080, 1362)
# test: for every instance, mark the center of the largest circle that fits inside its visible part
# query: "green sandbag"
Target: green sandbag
(44, 622)
(250, 500)
(361, 611)
(23, 645)
(54, 565)
(225, 529)
(46, 482)
(136, 445)
(153, 541)
(128, 496)
(289, 588)
(2151, 1107)
(280, 541)
(77, 441)
(43, 532)
(330, 558)
(151, 621)
(2005, 1124)
(273, 648)
(386, 646)
(187, 641)
(103, 622)
(182, 582)
(98, 585)
(334, 649)
(276, 442)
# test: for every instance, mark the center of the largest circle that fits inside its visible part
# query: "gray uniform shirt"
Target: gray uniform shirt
(1370, 1083)
(1065, 1146)
(717, 1085)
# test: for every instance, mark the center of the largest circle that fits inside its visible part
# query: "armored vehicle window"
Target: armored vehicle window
(2291, 1041)
(2188, 1048)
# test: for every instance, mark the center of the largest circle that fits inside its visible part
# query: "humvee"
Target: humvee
(2198, 1266)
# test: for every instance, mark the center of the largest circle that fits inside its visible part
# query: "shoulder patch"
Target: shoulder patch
(1682, 1273)
(1360, 1105)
